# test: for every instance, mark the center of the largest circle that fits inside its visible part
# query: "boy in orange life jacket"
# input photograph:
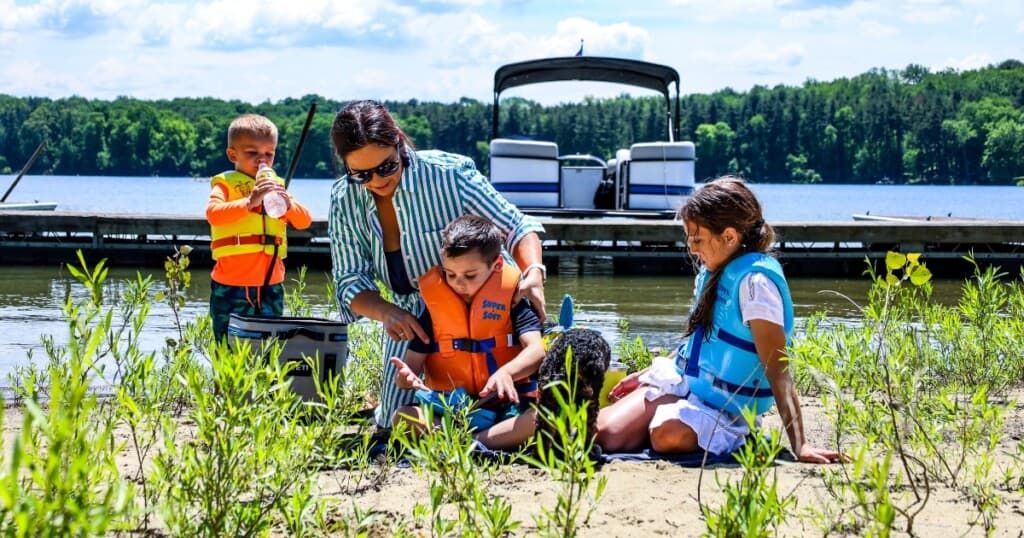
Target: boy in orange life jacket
(248, 245)
(478, 340)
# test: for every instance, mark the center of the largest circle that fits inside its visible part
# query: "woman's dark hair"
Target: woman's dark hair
(726, 202)
(361, 123)
(470, 233)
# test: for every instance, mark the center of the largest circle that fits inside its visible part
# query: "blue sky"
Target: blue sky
(441, 50)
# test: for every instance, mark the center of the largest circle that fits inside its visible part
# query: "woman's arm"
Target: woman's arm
(527, 253)
(351, 265)
(480, 198)
(398, 322)
(770, 341)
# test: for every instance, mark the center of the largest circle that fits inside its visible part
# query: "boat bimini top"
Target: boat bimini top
(649, 177)
(659, 78)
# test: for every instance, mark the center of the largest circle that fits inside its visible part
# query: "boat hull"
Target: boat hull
(28, 206)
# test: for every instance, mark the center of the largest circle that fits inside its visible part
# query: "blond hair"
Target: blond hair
(253, 126)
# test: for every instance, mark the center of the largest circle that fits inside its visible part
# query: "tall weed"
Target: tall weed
(61, 477)
(752, 506)
(566, 451)
(923, 382)
(244, 464)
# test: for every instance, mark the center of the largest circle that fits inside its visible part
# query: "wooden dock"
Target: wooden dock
(634, 246)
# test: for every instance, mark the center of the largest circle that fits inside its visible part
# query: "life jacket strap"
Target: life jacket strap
(741, 390)
(693, 361)
(236, 240)
(736, 341)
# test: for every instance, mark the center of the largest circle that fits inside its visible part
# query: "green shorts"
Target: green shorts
(267, 301)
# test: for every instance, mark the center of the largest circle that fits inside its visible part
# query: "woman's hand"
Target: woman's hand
(503, 385)
(532, 287)
(405, 378)
(625, 386)
(400, 325)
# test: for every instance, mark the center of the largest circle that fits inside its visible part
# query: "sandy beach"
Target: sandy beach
(646, 498)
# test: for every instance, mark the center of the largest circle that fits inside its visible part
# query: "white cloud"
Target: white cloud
(223, 24)
(33, 78)
(936, 14)
(242, 24)
(620, 39)
(446, 49)
(481, 42)
(971, 61)
(845, 16)
(717, 10)
(875, 29)
(70, 18)
(759, 57)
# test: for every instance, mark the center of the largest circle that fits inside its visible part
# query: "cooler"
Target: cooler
(324, 340)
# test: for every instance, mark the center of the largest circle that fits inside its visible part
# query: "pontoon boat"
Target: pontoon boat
(647, 179)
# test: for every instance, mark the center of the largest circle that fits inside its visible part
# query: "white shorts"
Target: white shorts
(717, 431)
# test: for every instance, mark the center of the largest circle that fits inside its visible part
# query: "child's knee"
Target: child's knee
(673, 437)
(609, 426)
(614, 436)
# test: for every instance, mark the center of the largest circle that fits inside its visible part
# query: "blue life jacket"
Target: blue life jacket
(723, 368)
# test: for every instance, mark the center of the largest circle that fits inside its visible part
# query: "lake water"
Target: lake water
(31, 297)
(781, 201)
(655, 307)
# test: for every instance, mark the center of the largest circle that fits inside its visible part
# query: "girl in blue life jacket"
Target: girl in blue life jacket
(734, 353)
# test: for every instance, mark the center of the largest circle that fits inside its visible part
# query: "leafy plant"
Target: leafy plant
(908, 383)
(444, 455)
(61, 478)
(633, 353)
(565, 451)
(245, 461)
(752, 506)
(178, 279)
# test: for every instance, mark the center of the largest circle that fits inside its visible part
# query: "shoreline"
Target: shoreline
(641, 498)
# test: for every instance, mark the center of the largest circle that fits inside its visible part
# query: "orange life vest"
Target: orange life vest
(253, 233)
(471, 341)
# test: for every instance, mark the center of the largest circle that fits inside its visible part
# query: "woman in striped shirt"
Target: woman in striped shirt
(386, 218)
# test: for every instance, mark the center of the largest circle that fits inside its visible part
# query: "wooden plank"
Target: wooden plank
(621, 230)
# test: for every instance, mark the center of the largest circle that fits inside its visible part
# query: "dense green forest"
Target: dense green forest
(907, 126)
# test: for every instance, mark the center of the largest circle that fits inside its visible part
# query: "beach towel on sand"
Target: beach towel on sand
(692, 459)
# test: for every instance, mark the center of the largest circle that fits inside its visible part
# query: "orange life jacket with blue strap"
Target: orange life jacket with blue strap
(471, 343)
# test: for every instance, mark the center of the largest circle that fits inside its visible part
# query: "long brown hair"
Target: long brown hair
(361, 123)
(726, 202)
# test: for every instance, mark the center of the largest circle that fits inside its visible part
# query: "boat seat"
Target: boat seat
(526, 172)
(660, 174)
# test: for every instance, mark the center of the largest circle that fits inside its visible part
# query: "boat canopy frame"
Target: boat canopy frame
(648, 75)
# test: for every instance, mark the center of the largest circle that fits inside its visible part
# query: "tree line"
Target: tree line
(905, 126)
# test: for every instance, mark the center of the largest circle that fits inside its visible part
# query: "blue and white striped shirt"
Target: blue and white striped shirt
(436, 188)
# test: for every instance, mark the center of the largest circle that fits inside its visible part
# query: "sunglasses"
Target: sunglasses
(384, 169)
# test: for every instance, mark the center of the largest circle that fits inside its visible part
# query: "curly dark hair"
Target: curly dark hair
(591, 355)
